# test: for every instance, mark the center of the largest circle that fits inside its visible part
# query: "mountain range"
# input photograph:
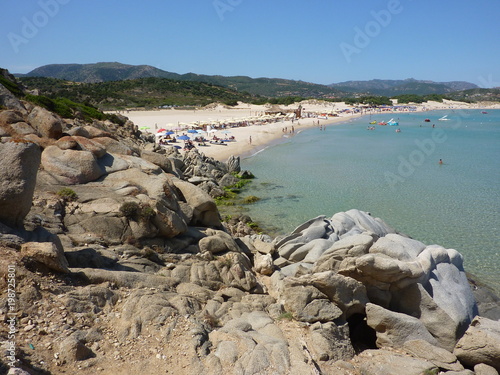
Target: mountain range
(269, 87)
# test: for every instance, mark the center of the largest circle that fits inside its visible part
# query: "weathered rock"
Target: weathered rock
(308, 304)
(384, 362)
(348, 294)
(205, 211)
(440, 357)
(416, 301)
(46, 253)
(217, 241)
(144, 307)
(160, 160)
(90, 299)
(73, 349)
(483, 369)
(397, 262)
(113, 146)
(67, 143)
(233, 164)
(394, 329)
(24, 129)
(86, 144)
(251, 344)
(132, 280)
(331, 342)
(228, 180)
(71, 166)
(344, 222)
(480, 343)
(46, 123)
(9, 100)
(264, 264)
(10, 117)
(351, 246)
(18, 172)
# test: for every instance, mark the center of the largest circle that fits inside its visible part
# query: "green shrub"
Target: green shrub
(130, 210)
(11, 86)
(147, 212)
(286, 315)
(67, 194)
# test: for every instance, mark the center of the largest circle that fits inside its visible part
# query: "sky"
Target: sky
(319, 41)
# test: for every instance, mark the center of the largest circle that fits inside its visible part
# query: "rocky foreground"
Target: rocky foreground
(123, 266)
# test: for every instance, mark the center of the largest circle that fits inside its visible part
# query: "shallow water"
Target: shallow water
(394, 176)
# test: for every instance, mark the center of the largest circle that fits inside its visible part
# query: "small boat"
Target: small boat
(373, 122)
(382, 123)
(444, 118)
(427, 120)
(484, 113)
(391, 122)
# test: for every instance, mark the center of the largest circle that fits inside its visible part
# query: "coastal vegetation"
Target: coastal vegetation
(62, 96)
(144, 92)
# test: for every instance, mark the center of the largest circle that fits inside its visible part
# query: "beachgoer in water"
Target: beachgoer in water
(440, 161)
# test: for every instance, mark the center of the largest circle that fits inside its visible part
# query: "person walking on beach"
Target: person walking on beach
(250, 140)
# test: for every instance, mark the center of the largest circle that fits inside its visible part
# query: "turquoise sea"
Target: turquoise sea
(394, 176)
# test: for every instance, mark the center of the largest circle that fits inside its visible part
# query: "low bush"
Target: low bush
(67, 194)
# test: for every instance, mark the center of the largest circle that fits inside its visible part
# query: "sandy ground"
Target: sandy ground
(252, 138)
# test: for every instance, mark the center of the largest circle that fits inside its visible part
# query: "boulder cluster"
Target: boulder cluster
(123, 265)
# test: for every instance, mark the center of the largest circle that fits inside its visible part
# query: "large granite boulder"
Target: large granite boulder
(480, 344)
(47, 253)
(399, 274)
(9, 100)
(250, 344)
(18, 171)
(394, 329)
(71, 166)
(205, 212)
(46, 123)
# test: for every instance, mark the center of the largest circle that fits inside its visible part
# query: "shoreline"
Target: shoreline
(254, 138)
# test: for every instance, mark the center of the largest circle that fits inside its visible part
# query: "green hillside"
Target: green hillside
(388, 87)
(104, 72)
(143, 92)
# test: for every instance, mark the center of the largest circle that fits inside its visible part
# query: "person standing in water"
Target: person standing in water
(440, 161)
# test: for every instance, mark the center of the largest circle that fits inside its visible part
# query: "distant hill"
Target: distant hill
(114, 71)
(476, 95)
(400, 87)
(142, 92)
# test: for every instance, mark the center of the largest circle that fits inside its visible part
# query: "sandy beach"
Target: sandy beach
(252, 138)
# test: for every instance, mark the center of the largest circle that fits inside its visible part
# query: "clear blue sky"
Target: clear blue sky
(320, 41)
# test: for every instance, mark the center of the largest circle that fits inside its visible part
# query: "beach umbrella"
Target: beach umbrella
(144, 127)
(183, 137)
(192, 131)
(170, 132)
(161, 134)
(161, 130)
